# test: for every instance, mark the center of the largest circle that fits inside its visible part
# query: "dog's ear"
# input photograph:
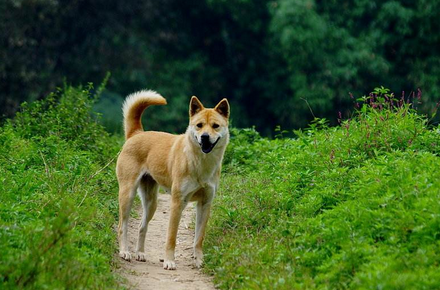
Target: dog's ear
(195, 106)
(223, 108)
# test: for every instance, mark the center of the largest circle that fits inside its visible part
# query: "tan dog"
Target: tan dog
(188, 165)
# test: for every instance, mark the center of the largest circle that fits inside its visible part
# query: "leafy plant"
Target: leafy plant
(58, 205)
(347, 207)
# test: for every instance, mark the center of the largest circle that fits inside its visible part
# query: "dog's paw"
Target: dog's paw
(199, 262)
(169, 265)
(141, 257)
(125, 255)
(198, 257)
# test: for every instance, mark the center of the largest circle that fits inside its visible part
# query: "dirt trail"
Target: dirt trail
(150, 274)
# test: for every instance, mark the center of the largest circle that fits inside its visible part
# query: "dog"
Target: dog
(187, 165)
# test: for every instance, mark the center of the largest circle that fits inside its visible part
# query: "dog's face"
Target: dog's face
(208, 127)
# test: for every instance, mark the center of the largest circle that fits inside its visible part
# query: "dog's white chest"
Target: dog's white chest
(190, 185)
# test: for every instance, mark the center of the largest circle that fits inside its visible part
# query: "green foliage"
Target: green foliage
(335, 47)
(272, 62)
(58, 205)
(347, 207)
(238, 152)
(65, 115)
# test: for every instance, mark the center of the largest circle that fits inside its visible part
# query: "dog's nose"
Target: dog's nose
(205, 137)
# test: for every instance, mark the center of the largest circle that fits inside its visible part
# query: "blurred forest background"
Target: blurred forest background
(269, 58)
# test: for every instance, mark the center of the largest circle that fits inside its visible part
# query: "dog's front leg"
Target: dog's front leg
(177, 206)
(203, 211)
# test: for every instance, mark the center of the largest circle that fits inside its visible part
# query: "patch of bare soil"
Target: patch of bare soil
(150, 274)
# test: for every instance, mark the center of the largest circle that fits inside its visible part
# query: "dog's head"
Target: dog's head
(208, 128)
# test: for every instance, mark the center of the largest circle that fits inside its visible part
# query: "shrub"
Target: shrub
(58, 205)
(347, 207)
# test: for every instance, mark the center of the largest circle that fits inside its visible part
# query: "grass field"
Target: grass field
(356, 206)
(58, 201)
(350, 207)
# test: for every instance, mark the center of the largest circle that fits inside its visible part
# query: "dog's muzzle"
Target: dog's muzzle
(206, 144)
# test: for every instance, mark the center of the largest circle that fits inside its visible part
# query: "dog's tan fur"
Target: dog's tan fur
(175, 162)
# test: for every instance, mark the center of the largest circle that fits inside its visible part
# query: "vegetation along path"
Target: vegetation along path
(150, 274)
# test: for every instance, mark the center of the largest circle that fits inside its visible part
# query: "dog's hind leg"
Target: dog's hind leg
(148, 193)
(127, 192)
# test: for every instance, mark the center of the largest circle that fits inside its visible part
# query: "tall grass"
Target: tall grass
(350, 207)
(57, 201)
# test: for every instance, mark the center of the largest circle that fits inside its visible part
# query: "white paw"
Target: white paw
(169, 265)
(125, 255)
(141, 257)
(199, 262)
(198, 256)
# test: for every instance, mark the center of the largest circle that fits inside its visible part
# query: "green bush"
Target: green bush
(58, 203)
(348, 207)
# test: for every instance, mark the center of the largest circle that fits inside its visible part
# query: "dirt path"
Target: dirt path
(150, 274)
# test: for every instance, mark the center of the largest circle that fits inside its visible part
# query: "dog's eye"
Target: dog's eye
(200, 125)
(215, 126)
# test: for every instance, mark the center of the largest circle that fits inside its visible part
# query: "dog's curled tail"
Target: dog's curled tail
(133, 107)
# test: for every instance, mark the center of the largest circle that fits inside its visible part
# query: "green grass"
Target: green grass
(350, 207)
(58, 201)
(355, 206)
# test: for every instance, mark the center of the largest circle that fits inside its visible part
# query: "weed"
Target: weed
(348, 207)
(57, 206)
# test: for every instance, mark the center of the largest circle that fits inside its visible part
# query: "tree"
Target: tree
(336, 47)
(271, 59)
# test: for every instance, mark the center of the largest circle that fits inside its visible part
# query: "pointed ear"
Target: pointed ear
(195, 106)
(223, 108)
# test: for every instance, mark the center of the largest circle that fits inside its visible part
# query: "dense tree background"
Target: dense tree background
(269, 58)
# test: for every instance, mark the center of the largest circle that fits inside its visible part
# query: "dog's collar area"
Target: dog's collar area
(208, 146)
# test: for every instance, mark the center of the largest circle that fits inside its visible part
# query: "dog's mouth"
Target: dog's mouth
(207, 146)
